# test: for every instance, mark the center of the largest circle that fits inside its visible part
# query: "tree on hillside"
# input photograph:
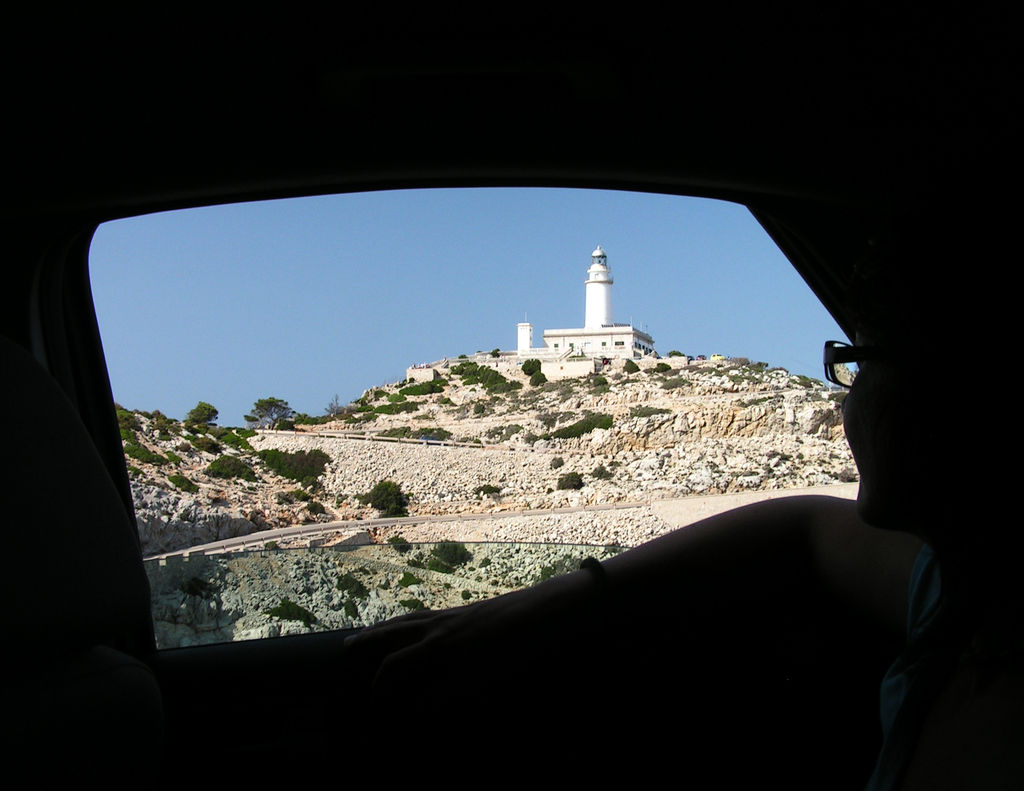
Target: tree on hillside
(388, 498)
(201, 414)
(268, 412)
(531, 366)
(334, 408)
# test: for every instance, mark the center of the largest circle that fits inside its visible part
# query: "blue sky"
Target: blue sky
(301, 299)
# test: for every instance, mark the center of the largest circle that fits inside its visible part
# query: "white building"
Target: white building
(599, 336)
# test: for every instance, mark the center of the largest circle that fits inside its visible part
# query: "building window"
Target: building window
(556, 345)
(620, 343)
(603, 343)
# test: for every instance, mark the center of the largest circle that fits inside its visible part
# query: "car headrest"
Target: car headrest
(73, 574)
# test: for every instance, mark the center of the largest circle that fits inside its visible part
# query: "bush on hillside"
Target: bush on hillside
(352, 586)
(230, 467)
(584, 426)
(647, 411)
(288, 610)
(395, 409)
(304, 466)
(126, 420)
(400, 544)
(630, 367)
(531, 366)
(235, 441)
(571, 480)
(183, 483)
(424, 388)
(142, 453)
(207, 444)
(537, 379)
(661, 368)
(388, 498)
(447, 556)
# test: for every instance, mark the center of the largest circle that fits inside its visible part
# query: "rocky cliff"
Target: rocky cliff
(667, 429)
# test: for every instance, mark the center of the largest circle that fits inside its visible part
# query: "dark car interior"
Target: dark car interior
(831, 130)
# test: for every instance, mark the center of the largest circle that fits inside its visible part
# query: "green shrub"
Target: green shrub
(172, 457)
(674, 382)
(492, 381)
(352, 586)
(230, 467)
(183, 483)
(396, 398)
(466, 595)
(235, 441)
(271, 546)
(207, 444)
(126, 420)
(387, 497)
(288, 610)
(194, 586)
(144, 454)
(676, 353)
(201, 413)
(584, 426)
(396, 409)
(495, 352)
(350, 609)
(411, 604)
(304, 466)
(503, 433)
(478, 408)
(408, 578)
(600, 471)
(661, 368)
(399, 543)
(647, 411)
(451, 552)
(486, 488)
(424, 388)
(571, 480)
(557, 462)
(630, 367)
(315, 508)
(531, 367)
(245, 433)
(537, 379)
(598, 381)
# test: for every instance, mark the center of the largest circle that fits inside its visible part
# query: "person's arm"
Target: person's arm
(818, 544)
(811, 544)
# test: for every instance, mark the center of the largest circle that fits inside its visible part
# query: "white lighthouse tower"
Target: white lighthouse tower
(599, 292)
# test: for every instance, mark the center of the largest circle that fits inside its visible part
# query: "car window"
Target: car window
(338, 409)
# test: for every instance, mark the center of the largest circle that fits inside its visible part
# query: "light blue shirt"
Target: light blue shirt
(899, 712)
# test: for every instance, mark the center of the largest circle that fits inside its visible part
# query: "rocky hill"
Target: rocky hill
(665, 430)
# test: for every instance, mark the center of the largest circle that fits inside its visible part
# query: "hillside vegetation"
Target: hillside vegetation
(664, 430)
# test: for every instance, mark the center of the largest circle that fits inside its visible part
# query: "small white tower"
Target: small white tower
(524, 337)
(599, 291)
